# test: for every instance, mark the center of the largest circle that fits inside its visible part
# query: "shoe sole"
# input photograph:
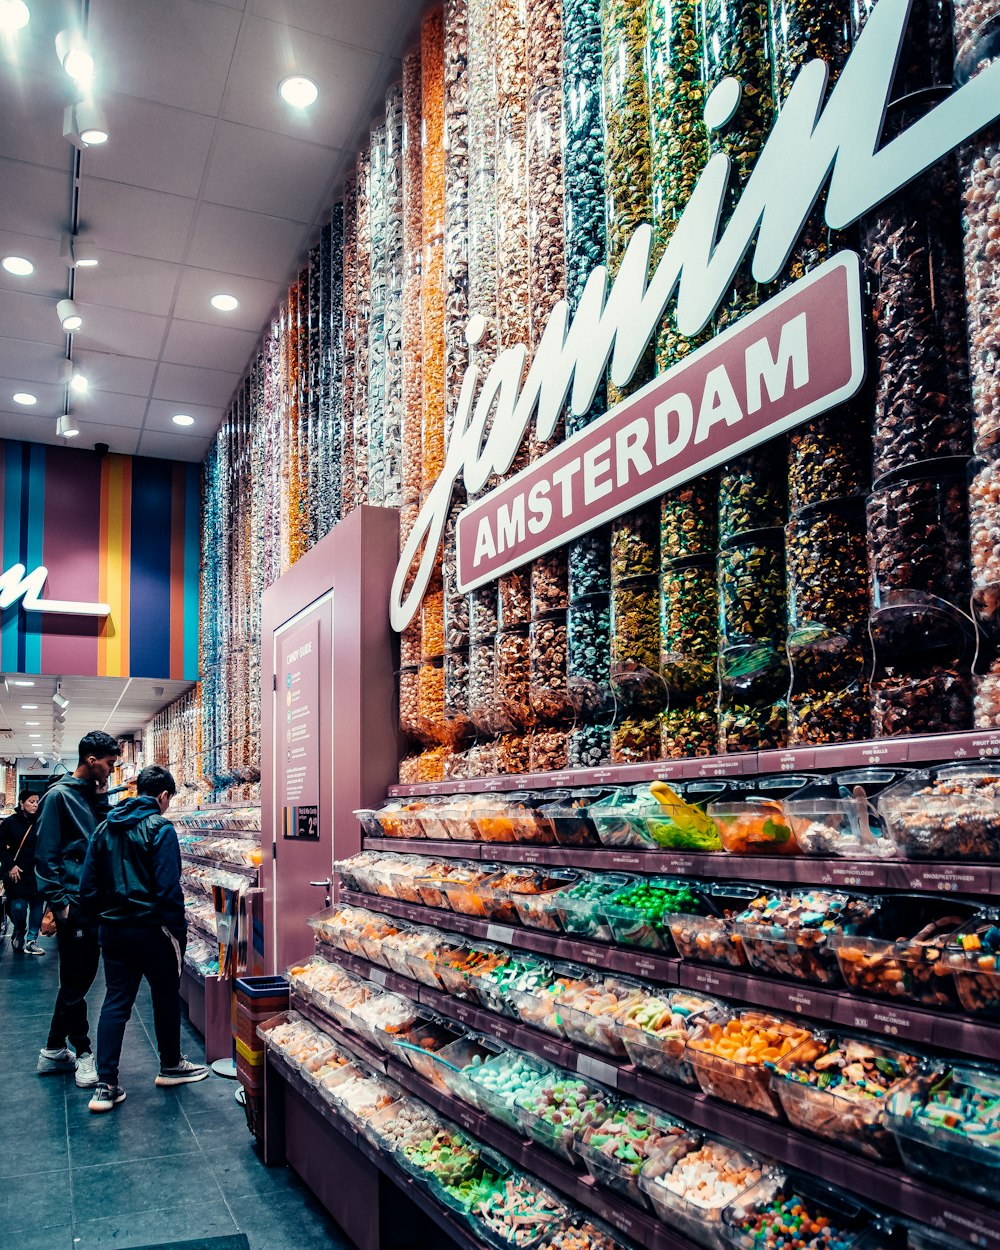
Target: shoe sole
(107, 1106)
(166, 1081)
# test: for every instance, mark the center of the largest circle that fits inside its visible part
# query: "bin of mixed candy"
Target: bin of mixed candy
(372, 933)
(790, 934)
(462, 888)
(495, 986)
(950, 812)
(560, 1105)
(591, 1013)
(533, 902)
(730, 1057)
(837, 816)
(583, 1232)
(383, 1018)
(689, 1190)
(580, 908)
(455, 967)
(711, 939)
(655, 1030)
(569, 815)
(420, 1045)
(339, 925)
(516, 817)
(902, 955)
(948, 1127)
(422, 957)
(503, 896)
(784, 1210)
(395, 949)
(361, 1093)
(614, 1146)
(399, 818)
(753, 826)
(460, 814)
(838, 1086)
(446, 1154)
(540, 1005)
(518, 1212)
(405, 874)
(639, 913)
(461, 1193)
(974, 959)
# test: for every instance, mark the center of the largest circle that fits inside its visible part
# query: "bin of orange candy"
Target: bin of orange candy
(730, 1057)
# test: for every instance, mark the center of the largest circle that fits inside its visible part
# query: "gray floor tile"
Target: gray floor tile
(58, 1238)
(144, 1185)
(209, 1218)
(34, 1200)
(290, 1223)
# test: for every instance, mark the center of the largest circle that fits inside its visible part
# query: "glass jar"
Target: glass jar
(752, 590)
(689, 520)
(432, 622)
(588, 746)
(430, 700)
(513, 679)
(635, 545)
(690, 727)
(482, 684)
(827, 564)
(829, 458)
(589, 564)
(514, 597)
(457, 694)
(549, 583)
(626, 124)
(752, 492)
(409, 709)
(689, 625)
(548, 750)
(483, 612)
(546, 240)
(635, 740)
(549, 692)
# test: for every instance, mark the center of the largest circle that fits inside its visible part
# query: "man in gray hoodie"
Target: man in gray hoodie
(67, 817)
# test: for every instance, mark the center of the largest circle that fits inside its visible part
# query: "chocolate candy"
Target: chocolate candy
(546, 244)
(840, 715)
(691, 728)
(456, 604)
(515, 598)
(483, 612)
(635, 741)
(827, 570)
(549, 583)
(986, 705)
(984, 526)
(752, 590)
(689, 520)
(980, 174)
(932, 698)
(482, 684)
(753, 727)
(511, 753)
(635, 625)
(549, 694)
(589, 564)
(689, 609)
(752, 492)
(456, 207)
(635, 549)
(828, 458)
(548, 750)
(513, 678)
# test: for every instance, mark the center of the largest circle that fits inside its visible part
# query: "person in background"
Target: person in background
(131, 886)
(68, 814)
(17, 868)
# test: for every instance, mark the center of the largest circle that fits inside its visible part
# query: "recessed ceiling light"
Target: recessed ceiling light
(299, 92)
(25, 397)
(182, 419)
(225, 303)
(22, 683)
(29, 707)
(13, 14)
(19, 266)
(32, 722)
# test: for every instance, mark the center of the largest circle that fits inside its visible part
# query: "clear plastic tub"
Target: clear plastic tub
(580, 907)
(975, 965)
(836, 816)
(838, 1086)
(729, 1057)
(460, 1195)
(424, 1042)
(711, 939)
(569, 815)
(912, 968)
(753, 826)
(422, 960)
(497, 1220)
(535, 910)
(619, 818)
(495, 1085)
(371, 826)
(465, 1055)
(951, 812)
(495, 987)
(689, 1189)
(792, 935)
(655, 1032)
(614, 1147)
(459, 816)
(517, 817)
(402, 818)
(431, 887)
(573, 1102)
(403, 878)
(456, 970)
(682, 823)
(639, 913)
(592, 1016)
(503, 896)
(462, 888)
(949, 1128)
(851, 1225)
(372, 934)
(542, 1006)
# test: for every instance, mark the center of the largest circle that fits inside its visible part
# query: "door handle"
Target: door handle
(325, 883)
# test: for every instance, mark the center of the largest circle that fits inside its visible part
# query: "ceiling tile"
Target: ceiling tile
(43, 430)
(209, 347)
(50, 274)
(234, 241)
(38, 429)
(208, 387)
(268, 53)
(257, 299)
(376, 24)
(121, 332)
(161, 411)
(174, 447)
(152, 145)
(33, 200)
(135, 283)
(125, 375)
(31, 317)
(29, 362)
(109, 408)
(32, 106)
(135, 220)
(177, 53)
(119, 438)
(266, 172)
(50, 395)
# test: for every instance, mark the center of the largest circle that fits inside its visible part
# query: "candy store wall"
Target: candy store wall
(823, 587)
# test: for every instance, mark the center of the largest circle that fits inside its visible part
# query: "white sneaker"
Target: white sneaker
(184, 1074)
(51, 1062)
(86, 1071)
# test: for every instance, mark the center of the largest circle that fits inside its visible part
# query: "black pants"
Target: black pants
(132, 952)
(26, 914)
(79, 956)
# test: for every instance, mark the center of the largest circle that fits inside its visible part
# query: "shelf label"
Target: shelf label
(379, 976)
(882, 1019)
(470, 1120)
(948, 878)
(645, 966)
(465, 1013)
(959, 1224)
(851, 872)
(607, 1073)
(626, 859)
(720, 766)
(553, 1050)
(500, 933)
(800, 1000)
(706, 979)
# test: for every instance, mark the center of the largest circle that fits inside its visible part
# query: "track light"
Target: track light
(66, 426)
(14, 15)
(60, 701)
(78, 253)
(69, 315)
(79, 383)
(74, 57)
(85, 125)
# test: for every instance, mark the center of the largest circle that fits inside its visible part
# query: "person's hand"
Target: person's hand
(15, 873)
(61, 913)
(102, 788)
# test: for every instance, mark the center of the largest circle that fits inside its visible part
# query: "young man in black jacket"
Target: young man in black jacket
(131, 886)
(68, 814)
(17, 869)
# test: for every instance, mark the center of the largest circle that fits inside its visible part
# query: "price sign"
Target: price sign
(500, 933)
(606, 1073)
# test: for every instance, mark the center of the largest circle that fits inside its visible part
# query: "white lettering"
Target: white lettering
(563, 478)
(510, 524)
(596, 463)
(718, 403)
(681, 406)
(630, 449)
(763, 369)
(485, 546)
(539, 506)
(17, 583)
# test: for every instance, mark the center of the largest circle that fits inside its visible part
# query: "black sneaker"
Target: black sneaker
(17, 945)
(106, 1097)
(32, 948)
(186, 1073)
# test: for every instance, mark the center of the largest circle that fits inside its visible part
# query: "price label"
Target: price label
(469, 1120)
(705, 979)
(607, 1073)
(379, 976)
(644, 967)
(500, 933)
(799, 1001)
(532, 855)
(852, 872)
(464, 1012)
(883, 1020)
(948, 878)
(625, 859)
(552, 1049)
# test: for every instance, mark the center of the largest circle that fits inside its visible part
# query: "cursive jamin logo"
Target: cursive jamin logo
(17, 583)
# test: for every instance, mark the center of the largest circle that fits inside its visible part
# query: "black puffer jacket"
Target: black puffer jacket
(65, 822)
(12, 834)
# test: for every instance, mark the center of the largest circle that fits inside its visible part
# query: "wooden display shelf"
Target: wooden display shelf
(921, 749)
(906, 1195)
(861, 874)
(968, 1036)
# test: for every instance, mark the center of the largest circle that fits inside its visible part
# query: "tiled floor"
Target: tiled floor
(166, 1165)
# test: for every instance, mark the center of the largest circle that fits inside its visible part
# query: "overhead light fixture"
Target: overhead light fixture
(69, 315)
(26, 398)
(74, 57)
(22, 683)
(32, 722)
(225, 303)
(19, 266)
(60, 701)
(78, 253)
(78, 383)
(299, 92)
(34, 735)
(67, 427)
(85, 125)
(14, 14)
(181, 418)
(29, 707)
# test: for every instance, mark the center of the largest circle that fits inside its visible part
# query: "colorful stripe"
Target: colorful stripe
(114, 638)
(72, 537)
(151, 564)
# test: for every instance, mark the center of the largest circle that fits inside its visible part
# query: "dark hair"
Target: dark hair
(99, 744)
(154, 780)
(23, 797)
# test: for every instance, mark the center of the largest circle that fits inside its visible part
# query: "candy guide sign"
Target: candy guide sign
(795, 357)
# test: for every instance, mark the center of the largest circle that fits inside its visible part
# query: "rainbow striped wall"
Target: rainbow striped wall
(122, 530)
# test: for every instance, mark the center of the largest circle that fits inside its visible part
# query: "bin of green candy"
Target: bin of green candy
(516, 1212)
(639, 914)
(559, 1107)
(948, 1127)
(495, 987)
(494, 1084)
(462, 1194)
(614, 1147)
(679, 824)
(580, 907)
(447, 1155)
(797, 1213)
